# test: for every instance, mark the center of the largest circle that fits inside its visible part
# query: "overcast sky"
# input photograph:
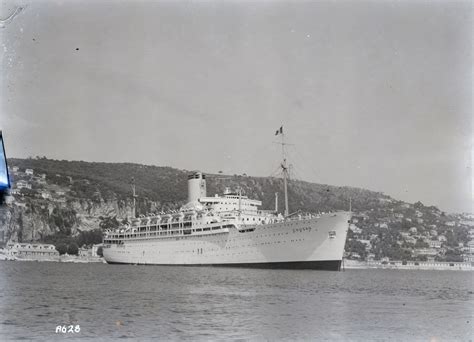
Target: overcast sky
(371, 94)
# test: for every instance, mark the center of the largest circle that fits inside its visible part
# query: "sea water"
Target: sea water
(108, 302)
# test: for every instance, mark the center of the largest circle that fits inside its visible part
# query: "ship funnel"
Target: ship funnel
(196, 186)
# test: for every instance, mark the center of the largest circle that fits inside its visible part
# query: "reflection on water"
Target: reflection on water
(176, 303)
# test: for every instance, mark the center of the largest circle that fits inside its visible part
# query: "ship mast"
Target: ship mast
(284, 168)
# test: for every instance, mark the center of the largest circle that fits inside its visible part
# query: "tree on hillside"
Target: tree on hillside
(109, 222)
(61, 248)
(421, 244)
(73, 249)
(418, 205)
(89, 237)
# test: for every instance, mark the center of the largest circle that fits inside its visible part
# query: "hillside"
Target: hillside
(54, 198)
(168, 186)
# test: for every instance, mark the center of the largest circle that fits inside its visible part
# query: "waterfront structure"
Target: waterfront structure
(30, 251)
(231, 230)
(95, 249)
(84, 252)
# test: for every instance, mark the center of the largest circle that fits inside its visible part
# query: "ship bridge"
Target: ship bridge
(231, 202)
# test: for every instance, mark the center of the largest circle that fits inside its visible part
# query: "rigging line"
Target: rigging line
(293, 164)
(296, 173)
(307, 165)
(276, 172)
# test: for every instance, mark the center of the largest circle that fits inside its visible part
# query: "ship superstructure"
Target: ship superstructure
(230, 230)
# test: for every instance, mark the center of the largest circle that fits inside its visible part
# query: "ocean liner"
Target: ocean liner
(231, 230)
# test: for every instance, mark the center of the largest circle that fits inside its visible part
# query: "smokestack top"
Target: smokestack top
(196, 175)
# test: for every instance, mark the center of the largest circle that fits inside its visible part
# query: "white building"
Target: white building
(95, 248)
(425, 251)
(84, 252)
(355, 229)
(435, 244)
(29, 172)
(30, 251)
(23, 185)
(367, 244)
(45, 195)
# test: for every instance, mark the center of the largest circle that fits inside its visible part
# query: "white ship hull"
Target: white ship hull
(316, 243)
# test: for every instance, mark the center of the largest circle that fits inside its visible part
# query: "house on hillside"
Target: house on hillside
(23, 185)
(15, 168)
(29, 172)
(425, 251)
(442, 238)
(355, 229)
(435, 244)
(45, 195)
(367, 244)
(355, 256)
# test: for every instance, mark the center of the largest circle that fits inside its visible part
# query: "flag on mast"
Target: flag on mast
(279, 131)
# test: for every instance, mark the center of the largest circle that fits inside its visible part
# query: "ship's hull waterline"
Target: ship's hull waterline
(315, 243)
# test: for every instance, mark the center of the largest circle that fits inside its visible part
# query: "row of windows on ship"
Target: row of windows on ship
(184, 221)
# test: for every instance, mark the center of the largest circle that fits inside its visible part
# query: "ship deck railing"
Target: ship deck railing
(166, 233)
